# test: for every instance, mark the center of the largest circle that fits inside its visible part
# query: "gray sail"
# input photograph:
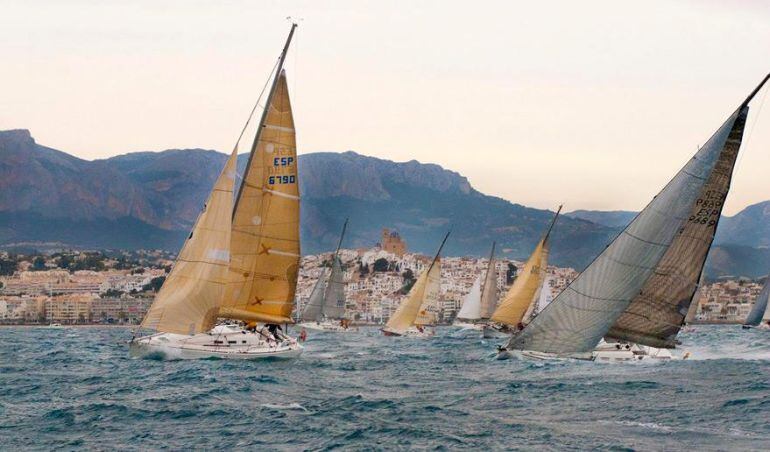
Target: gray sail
(334, 296)
(583, 313)
(489, 289)
(656, 314)
(313, 311)
(759, 311)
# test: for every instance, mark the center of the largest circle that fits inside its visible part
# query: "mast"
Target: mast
(342, 235)
(438, 253)
(278, 71)
(553, 222)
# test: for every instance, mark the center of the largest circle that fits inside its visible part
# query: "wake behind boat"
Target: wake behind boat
(241, 258)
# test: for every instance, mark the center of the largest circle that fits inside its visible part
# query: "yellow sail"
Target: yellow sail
(518, 302)
(428, 313)
(189, 299)
(417, 305)
(265, 247)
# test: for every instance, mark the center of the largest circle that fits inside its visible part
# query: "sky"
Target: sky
(592, 104)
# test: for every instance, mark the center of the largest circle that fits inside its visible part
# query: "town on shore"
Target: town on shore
(117, 287)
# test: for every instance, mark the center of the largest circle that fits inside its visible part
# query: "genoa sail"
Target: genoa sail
(489, 290)
(265, 246)
(638, 266)
(420, 306)
(518, 303)
(188, 302)
(471, 307)
(759, 312)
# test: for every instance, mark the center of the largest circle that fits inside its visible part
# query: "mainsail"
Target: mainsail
(489, 289)
(692, 311)
(652, 266)
(265, 247)
(471, 307)
(519, 302)
(188, 301)
(419, 307)
(759, 312)
(327, 300)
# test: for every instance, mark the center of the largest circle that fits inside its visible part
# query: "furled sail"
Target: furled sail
(759, 312)
(524, 292)
(489, 290)
(471, 307)
(188, 301)
(265, 248)
(638, 265)
(423, 298)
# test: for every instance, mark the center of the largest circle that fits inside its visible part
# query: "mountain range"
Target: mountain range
(151, 199)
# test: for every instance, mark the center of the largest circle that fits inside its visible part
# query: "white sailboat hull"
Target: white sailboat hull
(334, 327)
(468, 325)
(225, 343)
(411, 333)
(604, 353)
(490, 332)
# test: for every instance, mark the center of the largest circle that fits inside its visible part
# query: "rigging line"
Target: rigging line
(256, 105)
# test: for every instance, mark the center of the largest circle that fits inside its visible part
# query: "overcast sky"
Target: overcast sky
(591, 104)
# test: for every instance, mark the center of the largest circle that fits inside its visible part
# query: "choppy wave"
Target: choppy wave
(77, 388)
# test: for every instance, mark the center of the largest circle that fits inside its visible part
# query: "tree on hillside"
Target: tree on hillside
(8, 266)
(154, 284)
(381, 265)
(510, 274)
(38, 264)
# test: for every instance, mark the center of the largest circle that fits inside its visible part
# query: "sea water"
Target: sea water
(76, 388)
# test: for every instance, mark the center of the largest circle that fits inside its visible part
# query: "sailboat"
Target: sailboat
(417, 312)
(241, 259)
(759, 316)
(636, 293)
(518, 305)
(325, 309)
(481, 301)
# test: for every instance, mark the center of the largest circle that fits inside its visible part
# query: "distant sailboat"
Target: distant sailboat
(481, 301)
(418, 311)
(325, 309)
(759, 317)
(241, 259)
(640, 287)
(519, 303)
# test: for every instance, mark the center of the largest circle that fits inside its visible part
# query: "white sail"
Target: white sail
(334, 296)
(545, 298)
(759, 312)
(489, 288)
(313, 310)
(471, 307)
(584, 312)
